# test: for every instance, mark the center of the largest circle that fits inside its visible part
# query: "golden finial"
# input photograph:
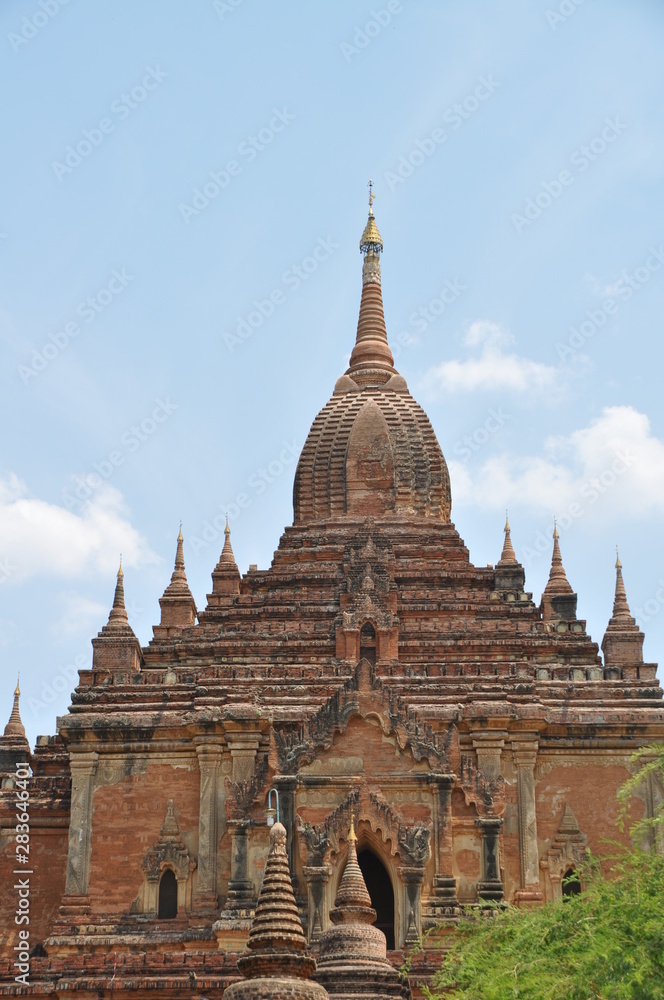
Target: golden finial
(227, 530)
(120, 572)
(618, 562)
(555, 528)
(351, 833)
(371, 238)
(17, 691)
(507, 523)
(180, 538)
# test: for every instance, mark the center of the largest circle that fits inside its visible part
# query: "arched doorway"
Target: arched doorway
(379, 886)
(168, 896)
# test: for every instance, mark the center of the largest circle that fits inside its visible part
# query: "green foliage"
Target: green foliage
(605, 944)
(653, 768)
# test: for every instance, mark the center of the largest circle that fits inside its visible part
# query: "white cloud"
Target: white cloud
(614, 462)
(38, 538)
(491, 367)
(78, 615)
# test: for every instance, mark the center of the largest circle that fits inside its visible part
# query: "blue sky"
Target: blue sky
(183, 195)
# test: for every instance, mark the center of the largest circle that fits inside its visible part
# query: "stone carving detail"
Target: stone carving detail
(322, 837)
(413, 842)
(486, 795)
(298, 746)
(83, 767)
(369, 588)
(241, 795)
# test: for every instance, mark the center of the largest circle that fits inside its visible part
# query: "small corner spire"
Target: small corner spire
(621, 612)
(227, 554)
(118, 611)
(558, 582)
(622, 644)
(179, 558)
(15, 726)
(508, 555)
(558, 598)
(178, 608)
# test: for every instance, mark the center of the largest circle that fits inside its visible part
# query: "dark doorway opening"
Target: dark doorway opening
(168, 896)
(571, 884)
(380, 889)
(368, 643)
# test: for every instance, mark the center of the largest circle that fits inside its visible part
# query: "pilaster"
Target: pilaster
(209, 760)
(525, 756)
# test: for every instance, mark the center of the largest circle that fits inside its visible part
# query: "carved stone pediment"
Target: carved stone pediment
(411, 842)
(168, 851)
(568, 849)
(364, 694)
(241, 795)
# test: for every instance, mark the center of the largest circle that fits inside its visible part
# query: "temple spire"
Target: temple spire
(116, 647)
(118, 613)
(621, 612)
(178, 608)
(371, 362)
(227, 555)
(15, 726)
(558, 598)
(622, 644)
(508, 556)
(225, 577)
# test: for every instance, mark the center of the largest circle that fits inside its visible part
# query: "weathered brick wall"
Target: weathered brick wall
(126, 821)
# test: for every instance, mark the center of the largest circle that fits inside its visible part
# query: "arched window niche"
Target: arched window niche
(368, 643)
(167, 908)
(571, 884)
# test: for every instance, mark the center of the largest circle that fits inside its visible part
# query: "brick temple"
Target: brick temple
(420, 734)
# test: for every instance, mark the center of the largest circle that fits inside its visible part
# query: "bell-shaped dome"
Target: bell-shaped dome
(371, 450)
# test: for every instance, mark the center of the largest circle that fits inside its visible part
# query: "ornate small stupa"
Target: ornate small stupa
(277, 965)
(353, 961)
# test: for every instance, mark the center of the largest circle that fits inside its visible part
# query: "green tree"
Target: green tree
(605, 944)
